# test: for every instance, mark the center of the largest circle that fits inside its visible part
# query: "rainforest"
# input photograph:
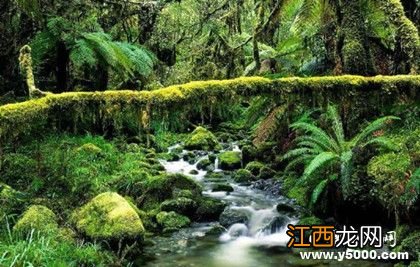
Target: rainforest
(206, 132)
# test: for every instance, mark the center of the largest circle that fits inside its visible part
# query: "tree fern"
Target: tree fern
(317, 149)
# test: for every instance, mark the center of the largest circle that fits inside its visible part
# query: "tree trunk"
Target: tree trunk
(61, 73)
(101, 84)
(407, 33)
(355, 54)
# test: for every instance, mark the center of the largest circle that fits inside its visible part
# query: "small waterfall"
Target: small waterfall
(216, 164)
(264, 227)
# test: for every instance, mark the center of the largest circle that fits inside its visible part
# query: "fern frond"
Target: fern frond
(322, 144)
(317, 163)
(319, 189)
(298, 152)
(383, 142)
(299, 160)
(337, 125)
(317, 133)
(371, 128)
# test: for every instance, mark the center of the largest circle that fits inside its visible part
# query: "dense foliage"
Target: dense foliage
(95, 45)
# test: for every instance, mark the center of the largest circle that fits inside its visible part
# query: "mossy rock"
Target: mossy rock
(389, 166)
(193, 172)
(89, 148)
(38, 218)
(108, 217)
(213, 175)
(203, 164)
(183, 193)
(266, 173)
(182, 205)
(173, 157)
(230, 160)
(255, 167)
(209, 209)
(202, 139)
(172, 221)
(163, 187)
(222, 187)
(248, 154)
(243, 176)
(212, 158)
(312, 220)
(285, 208)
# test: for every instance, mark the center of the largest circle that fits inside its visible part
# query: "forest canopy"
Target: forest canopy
(142, 44)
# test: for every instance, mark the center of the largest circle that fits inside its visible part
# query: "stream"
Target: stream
(260, 241)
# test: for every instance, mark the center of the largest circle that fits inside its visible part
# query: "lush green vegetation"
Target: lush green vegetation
(316, 103)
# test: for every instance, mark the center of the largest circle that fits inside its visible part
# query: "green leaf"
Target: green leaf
(371, 128)
(319, 189)
(318, 162)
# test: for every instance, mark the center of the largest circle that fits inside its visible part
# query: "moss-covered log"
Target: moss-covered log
(121, 110)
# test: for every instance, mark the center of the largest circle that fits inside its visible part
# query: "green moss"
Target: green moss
(180, 205)
(202, 139)
(390, 166)
(218, 187)
(243, 176)
(39, 218)
(90, 149)
(203, 164)
(108, 216)
(230, 160)
(310, 221)
(254, 167)
(171, 221)
(266, 173)
(163, 187)
(122, 108)
(209, 209)
(10, 200)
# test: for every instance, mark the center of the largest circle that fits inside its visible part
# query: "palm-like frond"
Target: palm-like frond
(319, 189)
(317, 163)
(297, 152)
(337, 125)
(303, 159)
(318, 134)
(125, 59)
(371, 128)
(382, 142)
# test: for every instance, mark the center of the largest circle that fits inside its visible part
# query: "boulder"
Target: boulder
(203, 164)
(230, 160)
(209, 209)
(162, 187)
(233, 216)
(243, 176)
(285, 208)
(171, 221)
(254, 167)
(182, 205)
(202, 139)
(38, 218)
(108, 216)
(266, 173)
(219, 187)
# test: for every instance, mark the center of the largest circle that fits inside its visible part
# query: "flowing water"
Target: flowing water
(259, 242)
